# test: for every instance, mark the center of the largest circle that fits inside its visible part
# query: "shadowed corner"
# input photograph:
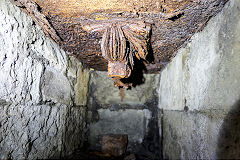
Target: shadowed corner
(139, 68)
(150, 57)
(228, 145)
(137, 77)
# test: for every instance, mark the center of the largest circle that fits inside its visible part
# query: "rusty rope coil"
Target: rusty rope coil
(119, 45)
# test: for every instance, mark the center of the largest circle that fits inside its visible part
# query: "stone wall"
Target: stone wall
(136, 115)
(42, 113)
(200, 92)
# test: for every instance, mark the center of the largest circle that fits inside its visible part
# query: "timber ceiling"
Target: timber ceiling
(173, 23)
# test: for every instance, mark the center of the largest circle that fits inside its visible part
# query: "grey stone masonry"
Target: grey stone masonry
(199, 92)
(38, 115)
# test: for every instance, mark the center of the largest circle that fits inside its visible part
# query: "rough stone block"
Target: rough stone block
(104, 91)
(37, 120)
(115, 145)
(132, 122)
(56, 87)
(130, 157)
(191, 135)
(205, 74)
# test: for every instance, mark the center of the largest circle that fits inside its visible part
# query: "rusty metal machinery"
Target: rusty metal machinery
(121, 36)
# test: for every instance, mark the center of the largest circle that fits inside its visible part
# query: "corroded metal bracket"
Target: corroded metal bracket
(122, 40)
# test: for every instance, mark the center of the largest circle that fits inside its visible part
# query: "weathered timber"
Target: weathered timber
(174, 22)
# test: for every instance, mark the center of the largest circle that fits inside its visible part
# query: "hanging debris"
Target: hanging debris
(122, 40)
